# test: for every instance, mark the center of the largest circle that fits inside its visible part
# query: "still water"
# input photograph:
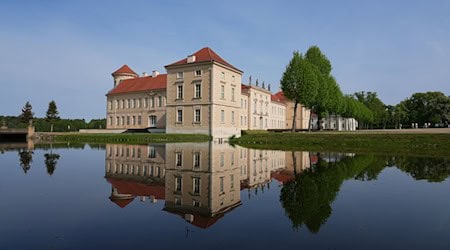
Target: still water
(215, 196)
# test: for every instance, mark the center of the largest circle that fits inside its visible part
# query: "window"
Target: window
(222, 159)
(222, 75)
(151, 152)
(180, 75)
(242, 120)
(232, 158)
(221, 184)
(232, 117)
(232, 181)
(196, 185)
(134, 120)
(180, 92)
(178, 201)
(198, 90)
(146, 102)
(139, 120)
(110, 120)
(152, 121)
(254, 121)
(152, 102)
(138, 104)
(242, 103)
(198, 72)
(195, 203)
(160, 101)
(197, 115)
(178, 159)
(233, 78)
(133, 103)
(178, 183)
(196, 160)
(117, 104)
(222, 92)
(128, 103)
(110, 105)
(117, 120)
(128, 120)
(222, 116)
(232, 94)
(179, 115)
(254, 107)
(123, 120)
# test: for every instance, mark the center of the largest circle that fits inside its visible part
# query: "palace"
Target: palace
(200, 94)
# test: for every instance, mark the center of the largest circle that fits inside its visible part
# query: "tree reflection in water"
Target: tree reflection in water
(307, 199)
(50, 162)
(25, 158)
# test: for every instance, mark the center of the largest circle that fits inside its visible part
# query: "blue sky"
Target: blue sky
(66, 50)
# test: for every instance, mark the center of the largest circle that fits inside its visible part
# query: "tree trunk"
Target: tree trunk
(294, 121)
(294, 163)
(309, 122)
(319, 118)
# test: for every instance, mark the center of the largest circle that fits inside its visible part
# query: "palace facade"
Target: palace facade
(200, 94)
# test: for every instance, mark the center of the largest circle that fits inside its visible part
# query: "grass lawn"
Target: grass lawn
(410, 144)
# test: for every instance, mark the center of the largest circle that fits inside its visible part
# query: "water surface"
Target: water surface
(206, 195)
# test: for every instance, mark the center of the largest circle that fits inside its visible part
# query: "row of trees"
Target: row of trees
(308, 80)
(51, 122)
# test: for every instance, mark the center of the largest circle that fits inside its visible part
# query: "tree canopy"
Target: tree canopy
(27, 113)
(52, 111)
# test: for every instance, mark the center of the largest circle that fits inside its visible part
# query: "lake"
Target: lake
(216, 196)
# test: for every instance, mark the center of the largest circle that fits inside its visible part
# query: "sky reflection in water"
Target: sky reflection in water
(207, 195)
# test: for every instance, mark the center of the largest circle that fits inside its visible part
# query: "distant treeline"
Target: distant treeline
(59, 125)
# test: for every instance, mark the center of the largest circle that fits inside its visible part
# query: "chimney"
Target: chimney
(155, 73)
(191, 59)
(144, 74)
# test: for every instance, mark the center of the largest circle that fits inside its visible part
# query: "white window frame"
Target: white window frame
(178, 120)
(199, 115)
(180, 75)
(196, 72)
(180, 92)
(178, 159)
(198, 92)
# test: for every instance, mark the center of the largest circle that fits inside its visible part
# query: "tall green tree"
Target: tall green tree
(27, 113)
(52, 111)
(429, 107)
(299, 83)
(52, 114)
(322, 70)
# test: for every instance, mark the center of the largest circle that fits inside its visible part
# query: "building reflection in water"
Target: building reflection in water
(199, 182)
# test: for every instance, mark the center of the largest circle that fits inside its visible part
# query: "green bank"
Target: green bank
(121, 138)
(400, 144)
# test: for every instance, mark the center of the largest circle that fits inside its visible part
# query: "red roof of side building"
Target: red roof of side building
(124, 70)
(205, 55)
(140, 84)
(279, 97)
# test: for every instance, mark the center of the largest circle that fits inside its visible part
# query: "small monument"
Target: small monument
(257, 83)
(264, 85)
(250, 80)
(268, 86)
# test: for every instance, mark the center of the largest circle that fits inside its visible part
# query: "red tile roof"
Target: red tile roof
(201, 221)
(140, 84)
(282, 176)
(122, 202)
(279, 97)
(138, 189)
(124, 70)
(205, 55)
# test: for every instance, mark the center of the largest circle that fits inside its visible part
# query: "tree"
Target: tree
(322, 70)
(52, 114)
(429, 107)
(27, 113)
(299, 83)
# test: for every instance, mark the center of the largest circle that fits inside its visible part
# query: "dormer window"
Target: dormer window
(198, 72)
(180, 75)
